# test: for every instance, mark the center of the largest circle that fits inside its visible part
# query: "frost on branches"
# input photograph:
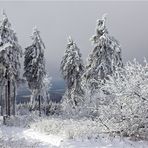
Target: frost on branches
(34, 67)
(126, 110)
(105, 57)
(10, 52)
(72, 69)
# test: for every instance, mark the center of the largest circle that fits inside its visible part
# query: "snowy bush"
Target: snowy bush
(69, 128)
(53, 108)
(127, 107)
(48, 108)
(23, 120)
(23, 109)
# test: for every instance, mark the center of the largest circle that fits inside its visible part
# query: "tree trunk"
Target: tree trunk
(46, 102)
(6, 99)
(9, 95)
(14, 98)
(2, 105)
(39, 98)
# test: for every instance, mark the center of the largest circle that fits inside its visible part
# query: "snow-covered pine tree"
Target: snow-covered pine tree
(106, 55)
(10, 52)
(34, 67)
(72, 69)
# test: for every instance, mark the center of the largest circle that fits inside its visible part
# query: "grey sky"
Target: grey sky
(127, 22)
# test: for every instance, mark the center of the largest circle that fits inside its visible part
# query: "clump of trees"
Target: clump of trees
(103, 61)
(10, 53)
(114, 94)
(34, 69)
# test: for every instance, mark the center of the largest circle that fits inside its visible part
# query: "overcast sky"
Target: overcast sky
(127, 22)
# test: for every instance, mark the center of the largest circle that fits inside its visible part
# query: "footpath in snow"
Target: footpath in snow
(40, 140)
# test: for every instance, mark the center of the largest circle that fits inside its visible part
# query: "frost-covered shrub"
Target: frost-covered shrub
(69, 128)
(52, 108)
(127, 107)
(23, 109)
(68, 108)
(23, 120)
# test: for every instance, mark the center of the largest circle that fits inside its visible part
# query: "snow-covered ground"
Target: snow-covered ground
(22, 137)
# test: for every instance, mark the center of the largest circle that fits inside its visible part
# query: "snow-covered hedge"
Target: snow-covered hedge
(22, 121)
(69, 128)
(128, 102)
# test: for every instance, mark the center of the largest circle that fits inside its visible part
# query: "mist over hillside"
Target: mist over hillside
(56, 91)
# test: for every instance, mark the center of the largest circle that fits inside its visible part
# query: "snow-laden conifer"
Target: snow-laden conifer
(105, 56)
(10, 52)
(34, 67)
(72, 69)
